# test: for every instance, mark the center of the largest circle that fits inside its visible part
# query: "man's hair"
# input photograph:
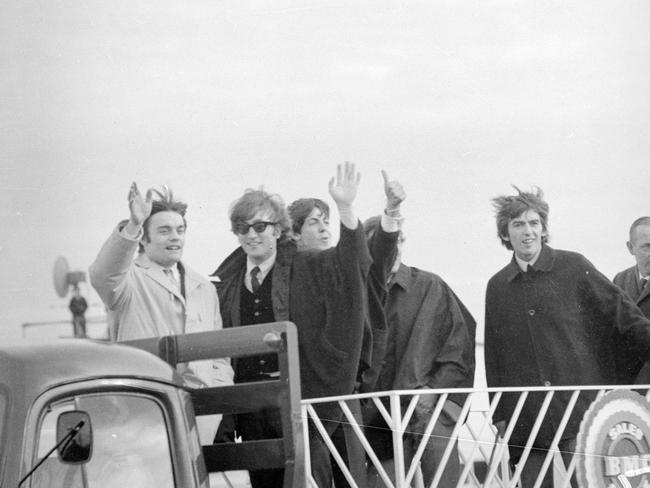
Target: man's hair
(508, 207)
(301, 208)
(164, 203)
(638, 222)
(253, 201)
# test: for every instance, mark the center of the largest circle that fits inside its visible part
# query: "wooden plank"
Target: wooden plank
(239, 398)
(263, 454)
(278, 337)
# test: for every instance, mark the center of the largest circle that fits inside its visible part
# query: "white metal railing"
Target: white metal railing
(483, 455)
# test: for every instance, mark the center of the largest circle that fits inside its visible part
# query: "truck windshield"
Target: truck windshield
(130, 445)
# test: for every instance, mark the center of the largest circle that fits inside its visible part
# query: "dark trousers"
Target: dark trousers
(267, 424)
(263, 424)
(431, 457)
(381, 440)
(535, 461)
(350, 448)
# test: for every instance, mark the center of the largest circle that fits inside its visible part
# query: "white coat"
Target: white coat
(142, 302)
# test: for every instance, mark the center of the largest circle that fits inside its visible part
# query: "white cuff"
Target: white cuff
(130, 237)
(390, 224)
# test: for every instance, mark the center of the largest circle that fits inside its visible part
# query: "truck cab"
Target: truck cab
(142, 424)
(78, 413)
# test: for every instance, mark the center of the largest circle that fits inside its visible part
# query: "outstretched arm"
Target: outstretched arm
(343, 190)
(108, 272)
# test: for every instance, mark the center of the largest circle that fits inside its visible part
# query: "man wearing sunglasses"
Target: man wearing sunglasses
(266, 279)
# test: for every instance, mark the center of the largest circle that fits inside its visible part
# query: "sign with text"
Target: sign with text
(613, 444)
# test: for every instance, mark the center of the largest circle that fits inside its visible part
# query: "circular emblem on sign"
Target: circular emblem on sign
(613, 443)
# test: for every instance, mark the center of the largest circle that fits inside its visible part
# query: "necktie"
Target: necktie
(255, 283)
(170, 274)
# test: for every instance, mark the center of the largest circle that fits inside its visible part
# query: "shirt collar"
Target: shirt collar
(544, 262)
(146, 262)
(523, 265)
(401, 277)
(265, 266)
(175, 272)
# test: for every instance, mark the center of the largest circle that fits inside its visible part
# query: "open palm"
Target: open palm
(343, 188)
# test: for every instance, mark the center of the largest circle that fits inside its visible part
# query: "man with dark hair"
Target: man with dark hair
(312, 215)
(550, 316)
(323, 292)
(634, 281)
(430, 345)
(157, 294)
(310, 229)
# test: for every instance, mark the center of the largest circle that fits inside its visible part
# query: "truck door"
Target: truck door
(131, 445)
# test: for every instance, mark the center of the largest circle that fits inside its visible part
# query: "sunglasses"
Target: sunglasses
(242, 228)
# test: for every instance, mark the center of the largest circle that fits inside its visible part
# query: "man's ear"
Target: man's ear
(629, 247)
(505, 238)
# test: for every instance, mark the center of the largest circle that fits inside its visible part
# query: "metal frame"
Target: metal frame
(283, 392)
(478, 443)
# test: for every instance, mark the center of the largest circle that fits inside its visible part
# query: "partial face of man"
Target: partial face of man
(315, 232)
(525, 234)
(639, 247)
(165, 238)
(259, 246)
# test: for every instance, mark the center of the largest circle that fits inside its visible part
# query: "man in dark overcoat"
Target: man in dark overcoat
(430, 345)
(550, 320)
(310, 226)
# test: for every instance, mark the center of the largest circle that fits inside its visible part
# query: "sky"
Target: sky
(457, 100)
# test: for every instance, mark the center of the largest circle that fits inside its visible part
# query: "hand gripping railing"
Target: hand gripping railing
(283, 393)
(473, 438)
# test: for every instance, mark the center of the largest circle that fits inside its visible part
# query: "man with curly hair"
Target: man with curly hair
(323, 292)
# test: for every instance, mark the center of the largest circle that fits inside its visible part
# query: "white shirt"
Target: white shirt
(523, 265)
(265, 267)
(175, 273)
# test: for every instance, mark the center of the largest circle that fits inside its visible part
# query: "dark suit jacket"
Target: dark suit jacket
(628, 280)
(325, 294)
(632, 365)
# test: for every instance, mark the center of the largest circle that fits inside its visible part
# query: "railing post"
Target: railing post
(398, 440)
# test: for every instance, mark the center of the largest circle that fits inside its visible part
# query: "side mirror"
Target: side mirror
(74, 437)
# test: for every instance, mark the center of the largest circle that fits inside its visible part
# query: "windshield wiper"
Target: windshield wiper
(72, 433)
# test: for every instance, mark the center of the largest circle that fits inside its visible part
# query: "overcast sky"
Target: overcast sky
(456, 99)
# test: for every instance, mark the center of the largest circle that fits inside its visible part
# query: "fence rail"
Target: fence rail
(483, 455)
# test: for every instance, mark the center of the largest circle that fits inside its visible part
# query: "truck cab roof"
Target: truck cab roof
(32, 368)
(101, 378)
